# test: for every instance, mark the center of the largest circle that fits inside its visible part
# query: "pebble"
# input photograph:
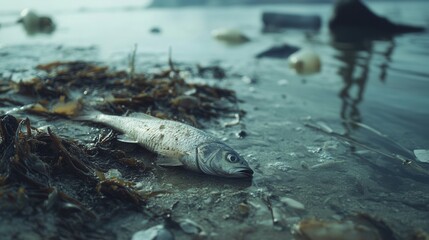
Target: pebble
(243, 209)
(157, 232)
(422, 155)
(292, 203)
(189, 226)
(282, 82)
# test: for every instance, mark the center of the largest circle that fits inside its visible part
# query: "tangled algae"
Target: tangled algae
(164, 94)
(43, 176)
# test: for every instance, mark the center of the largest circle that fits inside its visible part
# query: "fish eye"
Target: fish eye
(232, 157)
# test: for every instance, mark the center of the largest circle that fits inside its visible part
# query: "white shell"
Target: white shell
(305, 62)
(228, 35)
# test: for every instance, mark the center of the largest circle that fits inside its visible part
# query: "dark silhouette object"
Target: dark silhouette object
(280, 51)
(35, 24)
(155, 30)
(276, 21)
(354, 15)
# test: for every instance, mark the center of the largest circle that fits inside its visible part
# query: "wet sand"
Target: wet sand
(289, 159)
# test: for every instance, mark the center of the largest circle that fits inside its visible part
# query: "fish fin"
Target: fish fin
(141, 115)
(168, 162)
(126, 139)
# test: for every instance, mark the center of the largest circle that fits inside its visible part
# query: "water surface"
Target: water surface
(383, 84)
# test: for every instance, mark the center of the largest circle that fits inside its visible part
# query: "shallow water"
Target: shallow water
(392, 76)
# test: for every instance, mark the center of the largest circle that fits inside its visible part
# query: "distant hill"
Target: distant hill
(186, 3)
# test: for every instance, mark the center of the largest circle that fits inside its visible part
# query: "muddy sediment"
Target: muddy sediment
(62, 178)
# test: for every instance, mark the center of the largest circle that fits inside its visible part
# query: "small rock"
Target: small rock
(208, 200)
(231, 36)
(241, 134)
(292, 203)
(243, 209)
(247, 80)
(190, 227)
(158, 232)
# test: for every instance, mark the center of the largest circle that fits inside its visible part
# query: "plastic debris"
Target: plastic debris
(305, 62)
(422, 155)
(274, 21)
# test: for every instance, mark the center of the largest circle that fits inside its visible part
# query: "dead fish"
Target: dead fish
(177, 144)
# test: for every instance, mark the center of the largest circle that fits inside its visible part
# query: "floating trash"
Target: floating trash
(422, 155)
(305, 62)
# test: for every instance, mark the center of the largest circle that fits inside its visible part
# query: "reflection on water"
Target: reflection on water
(356, 52)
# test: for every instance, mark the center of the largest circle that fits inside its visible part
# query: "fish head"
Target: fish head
(216, 158)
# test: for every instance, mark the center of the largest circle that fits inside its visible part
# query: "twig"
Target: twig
(170, 60)
(132, 62)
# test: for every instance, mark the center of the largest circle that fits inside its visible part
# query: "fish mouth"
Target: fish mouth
(247, 172)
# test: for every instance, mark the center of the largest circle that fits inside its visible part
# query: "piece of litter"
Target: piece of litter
(422, 155)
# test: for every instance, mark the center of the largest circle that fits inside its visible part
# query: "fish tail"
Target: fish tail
(88, 114)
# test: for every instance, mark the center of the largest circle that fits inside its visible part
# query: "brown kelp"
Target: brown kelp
(45, 176)
(164, 94)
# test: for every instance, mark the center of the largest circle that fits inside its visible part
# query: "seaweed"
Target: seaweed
(56, 177)
(59, 182)
(164, 94)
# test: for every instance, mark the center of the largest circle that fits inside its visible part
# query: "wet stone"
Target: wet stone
(158, 232)
(190, 227)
